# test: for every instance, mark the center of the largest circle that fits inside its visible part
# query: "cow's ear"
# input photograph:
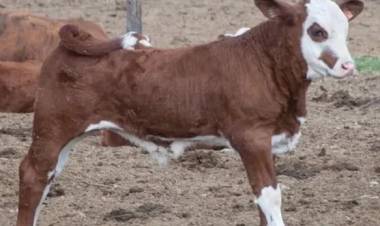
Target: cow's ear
(274, 8)
(351, 8)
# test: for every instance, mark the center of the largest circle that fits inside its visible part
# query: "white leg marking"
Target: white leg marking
(270, 203)
(62, 159)
(282, 143)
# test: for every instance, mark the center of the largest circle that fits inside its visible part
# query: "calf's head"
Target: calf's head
(324, 33)
(324, 40)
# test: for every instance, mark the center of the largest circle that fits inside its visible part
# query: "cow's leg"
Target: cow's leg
(44, 161)
(254, 147)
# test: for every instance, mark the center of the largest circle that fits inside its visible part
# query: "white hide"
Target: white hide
(129, 41)
(62, 159)
(270, 203)
(329, 16)
(282, 143)
(159, 153)
(238, 33)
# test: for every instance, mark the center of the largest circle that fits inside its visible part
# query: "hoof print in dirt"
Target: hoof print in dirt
(152, 210)
(136, 190)
(375, 146)
(120, 215)
(322, 153)
(347, 205)
(201, 159)
(341, 166)
(21, 133)
(145, 211)
(9, 153)
(342, 98)
(297, 170)
(323, 97)
(183, 215)
(56, 191)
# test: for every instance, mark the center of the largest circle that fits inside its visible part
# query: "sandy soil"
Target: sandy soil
(331, 180)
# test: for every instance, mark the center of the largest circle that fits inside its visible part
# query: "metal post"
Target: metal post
(134, 11)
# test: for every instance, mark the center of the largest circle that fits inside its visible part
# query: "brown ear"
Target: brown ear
(273, 8)
(351, 8)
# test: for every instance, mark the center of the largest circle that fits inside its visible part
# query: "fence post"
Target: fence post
(134, 11)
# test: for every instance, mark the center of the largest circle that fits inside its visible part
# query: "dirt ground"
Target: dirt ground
(331, 180)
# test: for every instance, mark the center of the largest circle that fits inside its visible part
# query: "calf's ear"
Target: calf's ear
(274, 8)
(351, 8)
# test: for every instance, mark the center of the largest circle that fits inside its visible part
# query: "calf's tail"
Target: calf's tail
(82, 42)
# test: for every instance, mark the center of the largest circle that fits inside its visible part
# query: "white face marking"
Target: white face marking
(331, 18)
(282, 143)
(270, 203)
(238, 33)
(62, 159)
(129, 41)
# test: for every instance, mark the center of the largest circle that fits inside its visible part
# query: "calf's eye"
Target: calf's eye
(317, 33)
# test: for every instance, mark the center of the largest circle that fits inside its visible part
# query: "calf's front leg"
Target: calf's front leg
(254, 147)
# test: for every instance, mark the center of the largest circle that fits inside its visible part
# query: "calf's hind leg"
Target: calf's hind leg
(44, 161)
(254, 147)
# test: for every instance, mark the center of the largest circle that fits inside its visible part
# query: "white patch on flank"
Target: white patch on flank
(102, 125)
(282, 143)
(301, 120)
(129, 41)
(159, 153)
(329, 16)
(270, 203)
(179, 145)
(239, 32)
(62, 159)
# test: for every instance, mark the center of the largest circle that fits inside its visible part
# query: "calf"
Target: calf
(25, 42)
(247, 92)
(24, 36)
(18, 85)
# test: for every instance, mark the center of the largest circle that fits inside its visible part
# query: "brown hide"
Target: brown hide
(245, 89)
(23, 38)
(185, 92)
(18, 84)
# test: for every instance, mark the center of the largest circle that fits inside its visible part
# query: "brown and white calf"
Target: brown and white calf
(18, 85)
(247, 92)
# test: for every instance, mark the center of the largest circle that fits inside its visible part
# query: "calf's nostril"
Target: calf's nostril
(348, 66)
